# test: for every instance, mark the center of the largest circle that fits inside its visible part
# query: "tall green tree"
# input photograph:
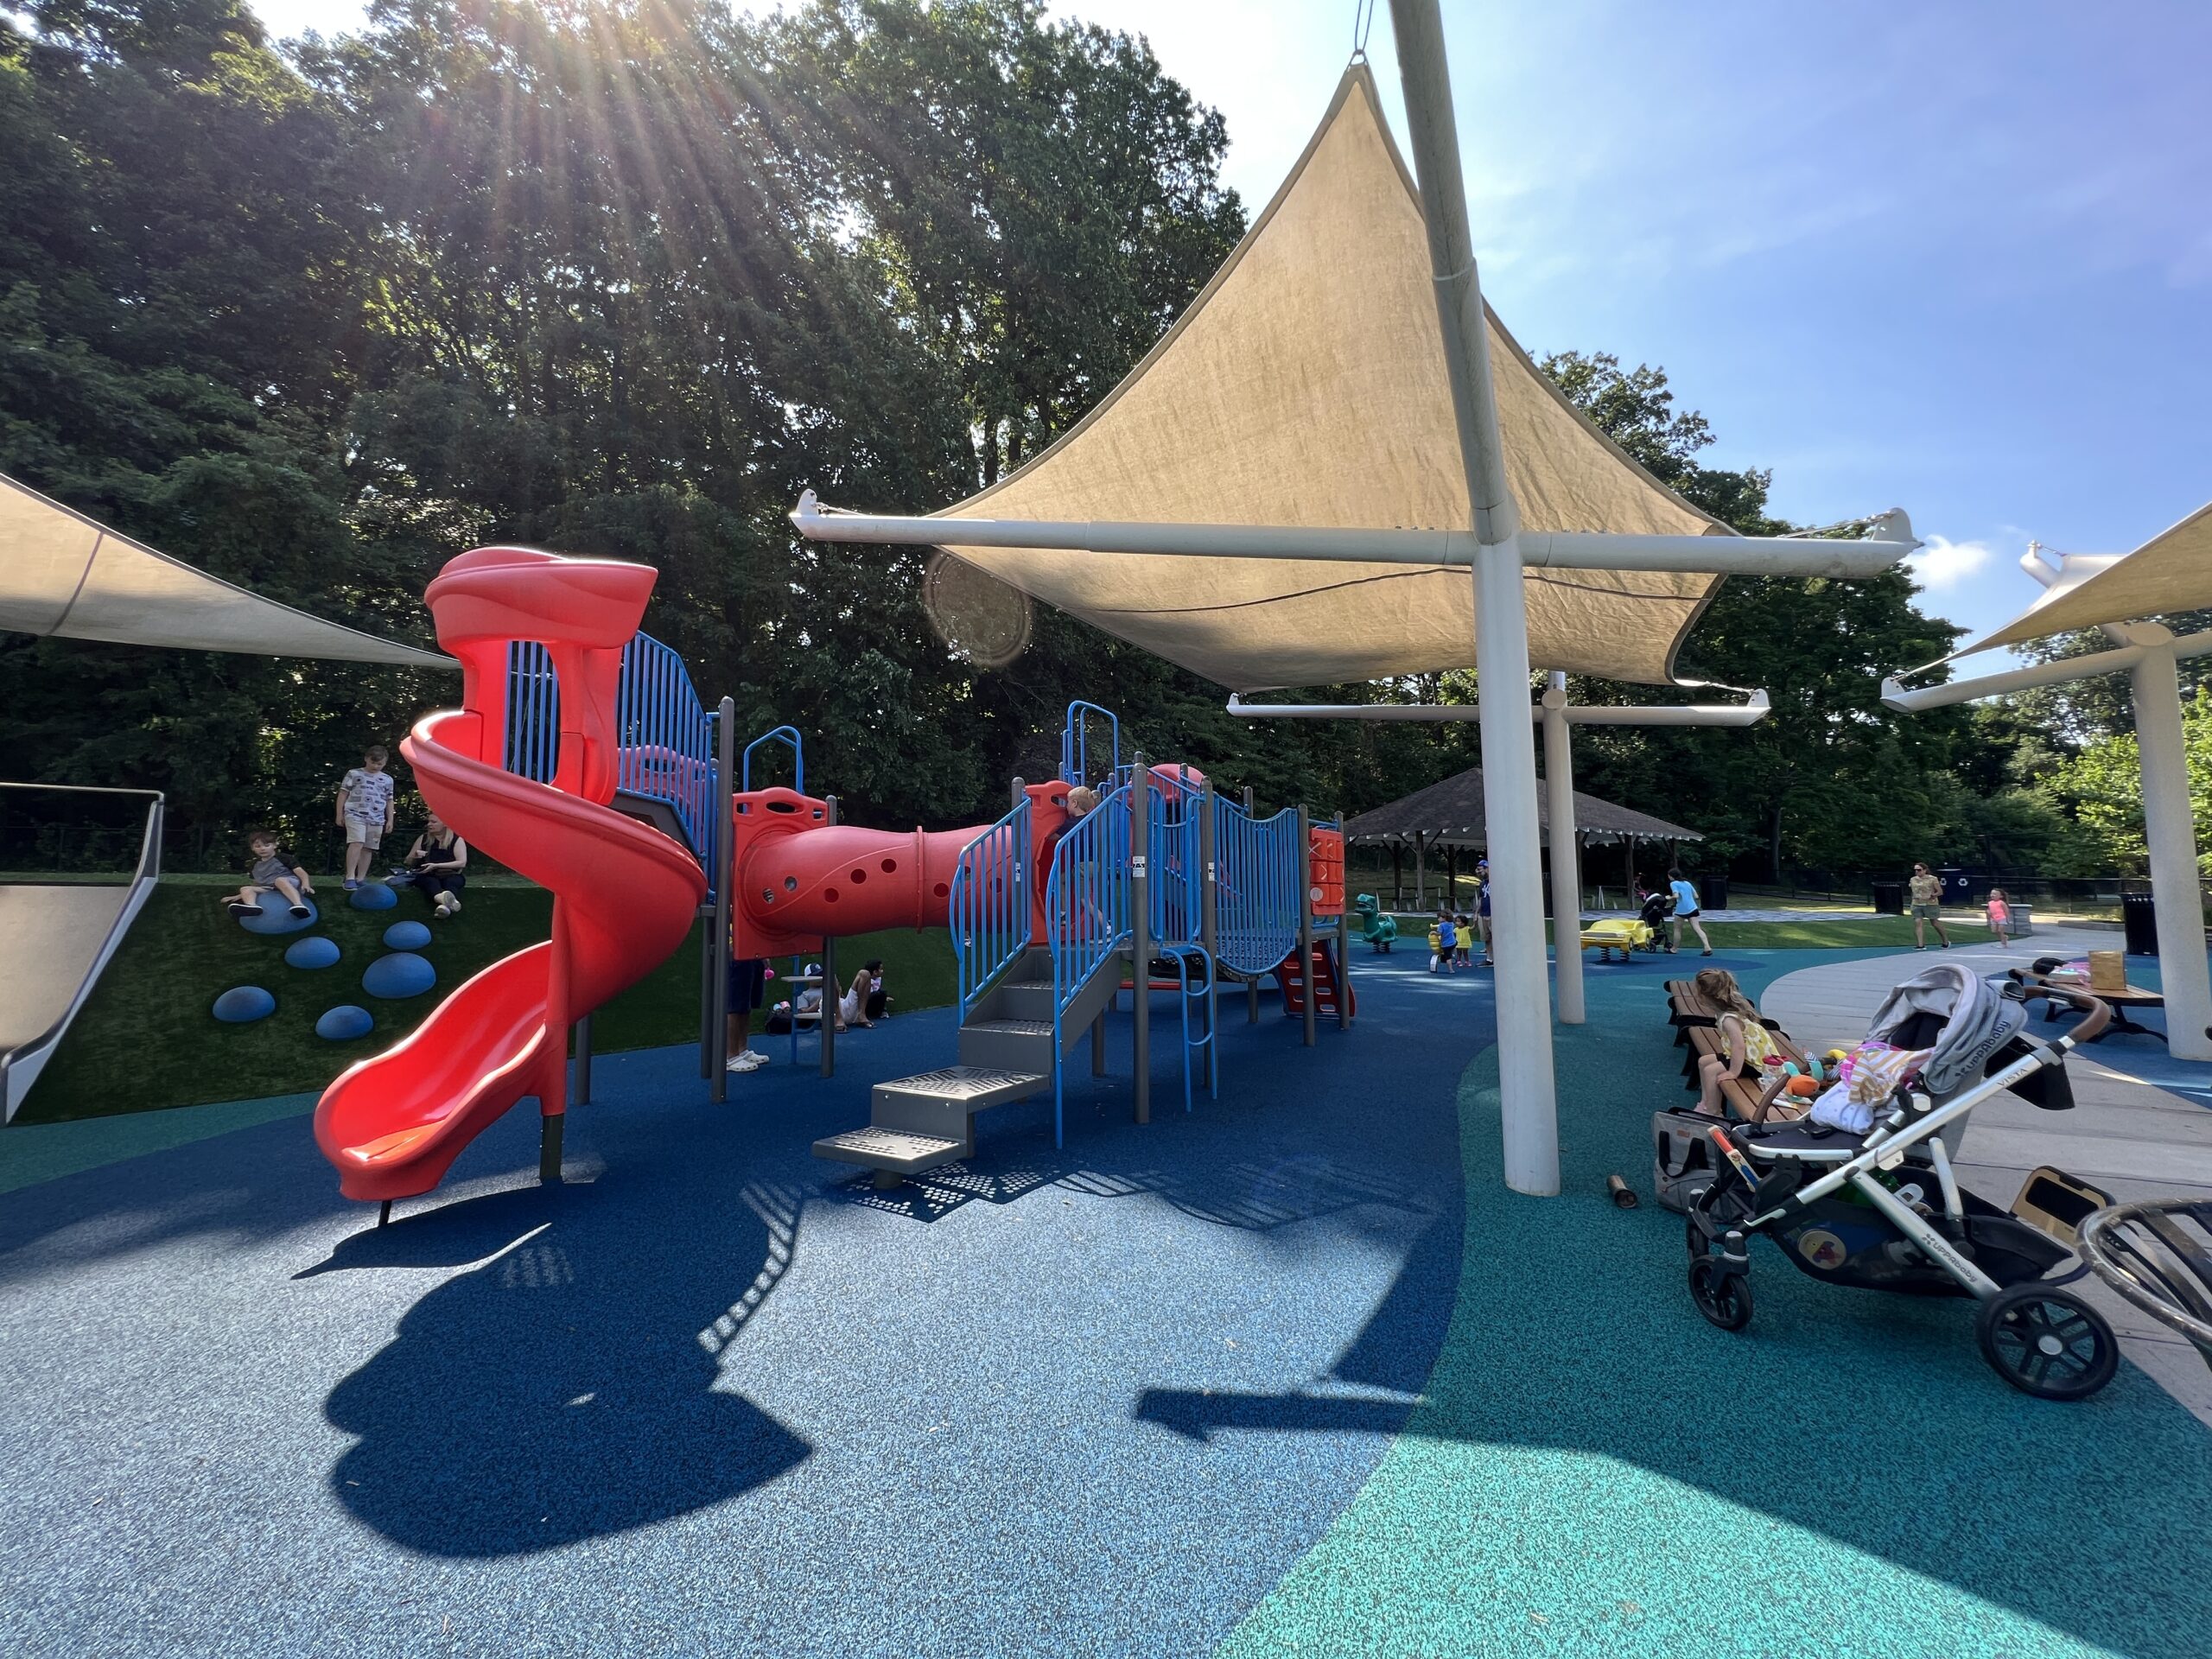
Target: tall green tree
(1830, 780)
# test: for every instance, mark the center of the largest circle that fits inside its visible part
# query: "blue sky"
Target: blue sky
(1952, 257)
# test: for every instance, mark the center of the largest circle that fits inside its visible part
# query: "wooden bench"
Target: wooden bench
(1696, 1019)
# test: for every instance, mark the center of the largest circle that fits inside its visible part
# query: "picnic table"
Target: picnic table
(2054, 971)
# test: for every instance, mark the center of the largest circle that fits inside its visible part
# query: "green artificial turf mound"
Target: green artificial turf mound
(145, 1039)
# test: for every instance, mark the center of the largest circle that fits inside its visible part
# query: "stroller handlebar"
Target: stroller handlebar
(2096, 1013)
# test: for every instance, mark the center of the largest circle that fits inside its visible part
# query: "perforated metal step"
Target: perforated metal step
(976, 1088)
(893, 1150)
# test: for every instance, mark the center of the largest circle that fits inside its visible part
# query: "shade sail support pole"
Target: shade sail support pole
(1563, 550)
(2170, 833)
(1566, 884)
(1527, 1091)
(1748, 713)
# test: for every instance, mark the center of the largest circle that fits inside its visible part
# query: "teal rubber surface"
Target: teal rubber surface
(1596, 1471)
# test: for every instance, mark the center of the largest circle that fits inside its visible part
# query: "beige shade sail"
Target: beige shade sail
(1307, 386)
(65, 575)
(2172, 571)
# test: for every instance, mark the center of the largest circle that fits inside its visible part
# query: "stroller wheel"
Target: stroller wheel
(1723, 1298)
(2047, 1342)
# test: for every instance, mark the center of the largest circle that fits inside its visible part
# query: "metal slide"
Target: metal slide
(55, 937)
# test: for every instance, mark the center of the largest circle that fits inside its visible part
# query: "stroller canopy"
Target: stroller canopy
(1963, 1017)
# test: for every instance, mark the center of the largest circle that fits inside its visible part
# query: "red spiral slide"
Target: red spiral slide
(624, 894)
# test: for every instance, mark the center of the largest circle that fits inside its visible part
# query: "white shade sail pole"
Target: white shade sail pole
(1748, 556)
(1750, 712)
(2170, 836)
(1561, 840)
(1526, 1089)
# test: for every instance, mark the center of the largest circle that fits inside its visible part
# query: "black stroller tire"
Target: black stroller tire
(1725, 1299)
(2047, 1341)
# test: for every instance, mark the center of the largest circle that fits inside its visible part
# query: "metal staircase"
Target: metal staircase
(1221, 898)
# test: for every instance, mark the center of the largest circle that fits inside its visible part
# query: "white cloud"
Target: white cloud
(1945, 563)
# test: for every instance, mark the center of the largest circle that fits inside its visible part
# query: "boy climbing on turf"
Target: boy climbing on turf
(272, 871)
(364, 813)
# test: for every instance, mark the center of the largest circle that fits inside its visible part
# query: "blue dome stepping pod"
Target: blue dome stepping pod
(401, 974)
(407, 935)
(316, 952)
(244, 1004)
(373, 895)
(345, 1023)
(275, 916)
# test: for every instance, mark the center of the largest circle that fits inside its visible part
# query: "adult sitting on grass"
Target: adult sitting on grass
(1745, 1043)
(273, 870)
(439, 862)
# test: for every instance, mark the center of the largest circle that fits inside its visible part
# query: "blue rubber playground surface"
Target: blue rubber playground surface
(1291, 1373)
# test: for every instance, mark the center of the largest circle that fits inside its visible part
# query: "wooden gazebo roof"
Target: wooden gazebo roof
(1450, 814)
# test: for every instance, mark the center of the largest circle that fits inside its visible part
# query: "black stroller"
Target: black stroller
(1881, 1210)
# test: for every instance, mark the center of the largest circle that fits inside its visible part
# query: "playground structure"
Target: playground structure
(581, 758)
(1159, 885)
(623, 894)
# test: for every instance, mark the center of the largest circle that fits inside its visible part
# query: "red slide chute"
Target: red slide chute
(624, 894)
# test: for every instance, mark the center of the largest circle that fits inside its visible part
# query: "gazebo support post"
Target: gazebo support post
(1527, 1093)
(2170, 832)
(1566, 895)
(1397, 874)
(1451, 876)
(1420, 872)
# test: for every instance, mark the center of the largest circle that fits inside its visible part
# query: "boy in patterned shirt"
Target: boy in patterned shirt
(364, 813)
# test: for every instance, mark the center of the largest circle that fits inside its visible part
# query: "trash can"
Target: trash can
(1958, 885)
(1713, 892)
(1889, 898)
(2024, 920)
(2138, 915)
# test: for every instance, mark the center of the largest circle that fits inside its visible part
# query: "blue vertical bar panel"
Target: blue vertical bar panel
(989, 904)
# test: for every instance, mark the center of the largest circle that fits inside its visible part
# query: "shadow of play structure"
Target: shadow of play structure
(581, 758)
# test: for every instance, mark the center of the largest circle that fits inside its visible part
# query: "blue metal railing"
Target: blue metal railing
(787, 735)
(665, 738)
(1194, 976)
(1178, 895)
(1259, 885)
(1078, 764)
(990, 905)
(1087, 917)
(667, 744)
(533, 749)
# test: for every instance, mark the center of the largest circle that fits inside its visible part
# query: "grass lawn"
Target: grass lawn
(146, 1039)
(1858, 933)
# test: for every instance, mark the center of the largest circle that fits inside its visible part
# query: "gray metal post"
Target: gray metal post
(828, 1024)
(709, 1014)
(723, 843)
(579, 1089)
(1527, 1089)
(1251, 986)
(1306, 921)
(1210, 927)
(1021, 788)
(1140, 934)
(1344, 937)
